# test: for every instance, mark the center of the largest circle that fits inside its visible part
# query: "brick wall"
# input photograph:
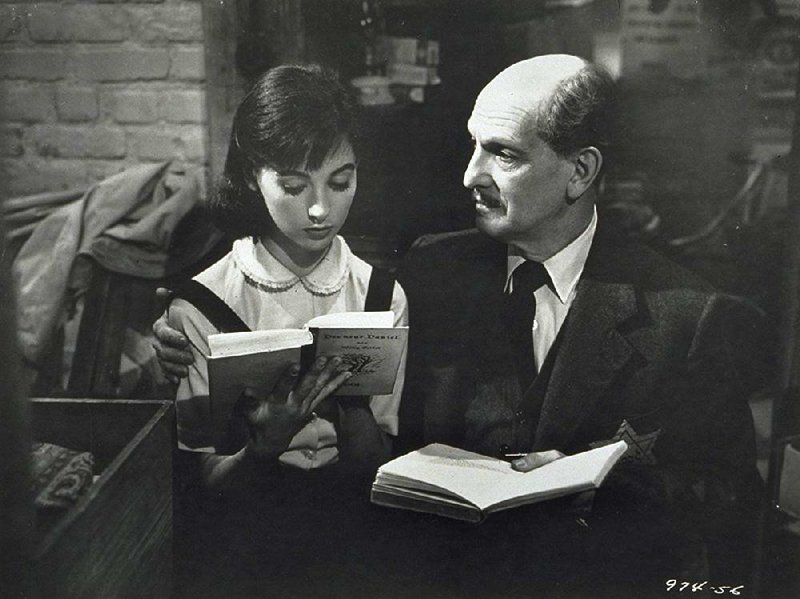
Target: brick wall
(88, 88)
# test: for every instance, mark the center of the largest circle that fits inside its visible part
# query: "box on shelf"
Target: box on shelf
(776, 57)
(409, 74)
(410, 50)
(116, 540)
(373, 90)
(413, 94)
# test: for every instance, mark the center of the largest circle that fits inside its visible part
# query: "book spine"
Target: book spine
(467, 514)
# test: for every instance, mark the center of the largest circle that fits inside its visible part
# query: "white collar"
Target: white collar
(261, 269)
(565, 266)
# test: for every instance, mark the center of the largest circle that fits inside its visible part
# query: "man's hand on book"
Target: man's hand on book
(536, 459)
(273, 421)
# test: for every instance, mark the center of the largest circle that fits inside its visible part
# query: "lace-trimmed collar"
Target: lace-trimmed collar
(261, 269)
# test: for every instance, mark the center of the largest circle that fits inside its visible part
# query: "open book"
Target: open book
(460, 484)
(369, 344)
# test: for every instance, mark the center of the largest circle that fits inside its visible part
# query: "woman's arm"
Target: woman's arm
(219, 471)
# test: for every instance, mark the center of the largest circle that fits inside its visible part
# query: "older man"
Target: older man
(537, 335)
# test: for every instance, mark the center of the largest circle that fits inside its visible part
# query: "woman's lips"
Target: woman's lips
(317, 232)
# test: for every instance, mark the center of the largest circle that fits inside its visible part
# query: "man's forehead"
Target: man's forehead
(505, 97)
(504, 113)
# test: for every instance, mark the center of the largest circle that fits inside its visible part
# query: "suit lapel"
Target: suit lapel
(592, 353)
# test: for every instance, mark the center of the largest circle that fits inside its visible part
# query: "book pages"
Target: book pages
(486, 482)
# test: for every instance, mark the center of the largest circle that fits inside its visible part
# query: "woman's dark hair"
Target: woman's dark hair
(579, 113)
(292, 117)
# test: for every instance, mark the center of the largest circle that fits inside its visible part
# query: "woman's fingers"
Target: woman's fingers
(331, 386)
(311, 382)
(322, 379)
(283, 388)
(321, 372)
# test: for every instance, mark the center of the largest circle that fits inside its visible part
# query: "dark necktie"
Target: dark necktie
(526, 278)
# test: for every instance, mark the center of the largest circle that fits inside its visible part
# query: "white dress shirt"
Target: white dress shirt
(565, 268)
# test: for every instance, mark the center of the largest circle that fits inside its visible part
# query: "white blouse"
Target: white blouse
(267, 295)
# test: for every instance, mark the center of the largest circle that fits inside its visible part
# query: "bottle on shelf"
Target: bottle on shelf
(371, 26)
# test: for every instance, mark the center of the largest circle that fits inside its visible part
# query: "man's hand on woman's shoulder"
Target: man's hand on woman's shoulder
(171, 346)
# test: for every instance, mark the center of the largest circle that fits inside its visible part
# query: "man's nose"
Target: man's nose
(475, 174)
(319, 206)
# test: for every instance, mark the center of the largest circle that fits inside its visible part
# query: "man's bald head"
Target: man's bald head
(534, 79)
(568, 100)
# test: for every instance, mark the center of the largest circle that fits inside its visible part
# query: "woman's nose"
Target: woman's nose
(319, 207)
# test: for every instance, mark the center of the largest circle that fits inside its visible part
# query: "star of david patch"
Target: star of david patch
(640, 447)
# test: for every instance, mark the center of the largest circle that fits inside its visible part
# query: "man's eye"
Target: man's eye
(506, 158)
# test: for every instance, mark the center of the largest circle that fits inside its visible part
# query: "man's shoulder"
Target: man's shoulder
(668, 289)
(437, 266)
(461, 240)
(466, 244)
(619, 260)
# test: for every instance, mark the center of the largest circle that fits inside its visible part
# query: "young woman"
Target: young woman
(289, 181)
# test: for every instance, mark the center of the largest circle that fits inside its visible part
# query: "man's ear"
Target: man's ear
(588, 162)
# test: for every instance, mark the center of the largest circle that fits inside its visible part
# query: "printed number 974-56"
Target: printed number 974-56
(696, 587)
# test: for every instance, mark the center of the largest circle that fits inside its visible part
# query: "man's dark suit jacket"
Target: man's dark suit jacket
(645, 342)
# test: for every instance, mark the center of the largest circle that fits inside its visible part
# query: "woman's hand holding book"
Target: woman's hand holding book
(274, 420)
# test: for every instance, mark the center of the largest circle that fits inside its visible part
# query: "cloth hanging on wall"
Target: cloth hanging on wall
(142, 222)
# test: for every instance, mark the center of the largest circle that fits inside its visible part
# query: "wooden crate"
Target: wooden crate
(116, 541)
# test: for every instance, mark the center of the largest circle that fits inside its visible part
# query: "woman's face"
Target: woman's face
(308, 207)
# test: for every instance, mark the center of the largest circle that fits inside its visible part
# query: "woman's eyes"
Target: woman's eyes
(295, 190)
(340, 185)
